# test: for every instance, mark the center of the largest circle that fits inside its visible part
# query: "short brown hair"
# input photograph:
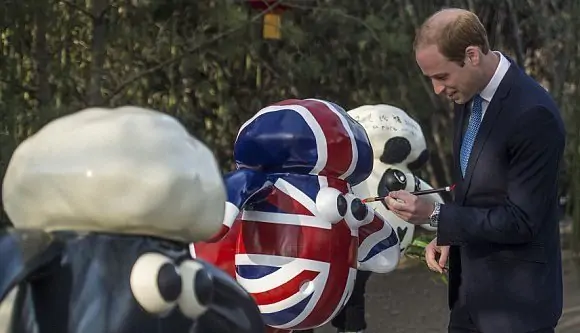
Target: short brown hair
(453, 36)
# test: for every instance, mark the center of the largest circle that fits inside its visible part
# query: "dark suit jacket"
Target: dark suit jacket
(503, 228)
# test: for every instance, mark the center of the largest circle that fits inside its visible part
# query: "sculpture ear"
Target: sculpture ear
(23, 253)
(420, 161)
(244, 186)
(396, 150)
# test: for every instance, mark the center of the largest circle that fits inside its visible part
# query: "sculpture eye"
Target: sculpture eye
(358, 213)
(359, 209)
(156, 283)
(331, 204)
(197, 291)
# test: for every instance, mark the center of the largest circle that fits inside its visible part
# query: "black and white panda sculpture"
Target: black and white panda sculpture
(400, 150)
(104, 204)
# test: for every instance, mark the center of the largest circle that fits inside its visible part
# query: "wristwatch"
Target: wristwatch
(434, 217)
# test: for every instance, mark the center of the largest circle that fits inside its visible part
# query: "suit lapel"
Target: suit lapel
(493, 110)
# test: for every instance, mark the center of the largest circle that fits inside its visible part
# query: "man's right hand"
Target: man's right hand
(431, 252)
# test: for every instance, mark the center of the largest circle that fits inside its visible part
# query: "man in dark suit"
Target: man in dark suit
(501, 230)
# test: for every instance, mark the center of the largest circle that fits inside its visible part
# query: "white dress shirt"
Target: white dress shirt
(489, 90)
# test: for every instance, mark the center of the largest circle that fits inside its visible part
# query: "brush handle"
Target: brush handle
(430, 191)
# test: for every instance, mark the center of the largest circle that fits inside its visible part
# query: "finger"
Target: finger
(402, 215)
(393, 194)
(393, 204)
(401, 194)
(430, 259)
(443, 257)
(434, 268)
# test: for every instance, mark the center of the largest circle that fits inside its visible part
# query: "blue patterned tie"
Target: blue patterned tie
(471, 132)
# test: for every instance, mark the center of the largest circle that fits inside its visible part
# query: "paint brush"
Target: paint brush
(430, 191)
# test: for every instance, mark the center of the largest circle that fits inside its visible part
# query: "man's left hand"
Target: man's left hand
(409, 207)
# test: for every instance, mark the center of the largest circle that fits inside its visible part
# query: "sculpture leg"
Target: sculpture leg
(352, 317)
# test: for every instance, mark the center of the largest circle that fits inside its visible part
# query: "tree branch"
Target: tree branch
(409, 10)
(519, 49)
(266, 65)
(562, 64)
(78, 8)
(193, 49)
(339, 12)
(20, 87)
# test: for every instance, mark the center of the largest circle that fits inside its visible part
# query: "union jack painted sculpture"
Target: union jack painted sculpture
(294, 234)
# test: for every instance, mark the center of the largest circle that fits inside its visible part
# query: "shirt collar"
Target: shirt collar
(489, 90)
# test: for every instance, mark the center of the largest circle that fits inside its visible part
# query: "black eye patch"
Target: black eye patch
(420, 161)
(396, 150)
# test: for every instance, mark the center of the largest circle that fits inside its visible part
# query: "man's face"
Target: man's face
(456, 82)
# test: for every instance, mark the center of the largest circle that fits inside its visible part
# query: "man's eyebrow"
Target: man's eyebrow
(438, 75)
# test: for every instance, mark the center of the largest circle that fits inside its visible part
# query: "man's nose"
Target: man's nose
(437, 87)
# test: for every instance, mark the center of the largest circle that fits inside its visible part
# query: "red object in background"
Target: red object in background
(222, 252)
(265, 4)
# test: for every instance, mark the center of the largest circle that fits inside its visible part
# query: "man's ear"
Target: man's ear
(472, 55)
